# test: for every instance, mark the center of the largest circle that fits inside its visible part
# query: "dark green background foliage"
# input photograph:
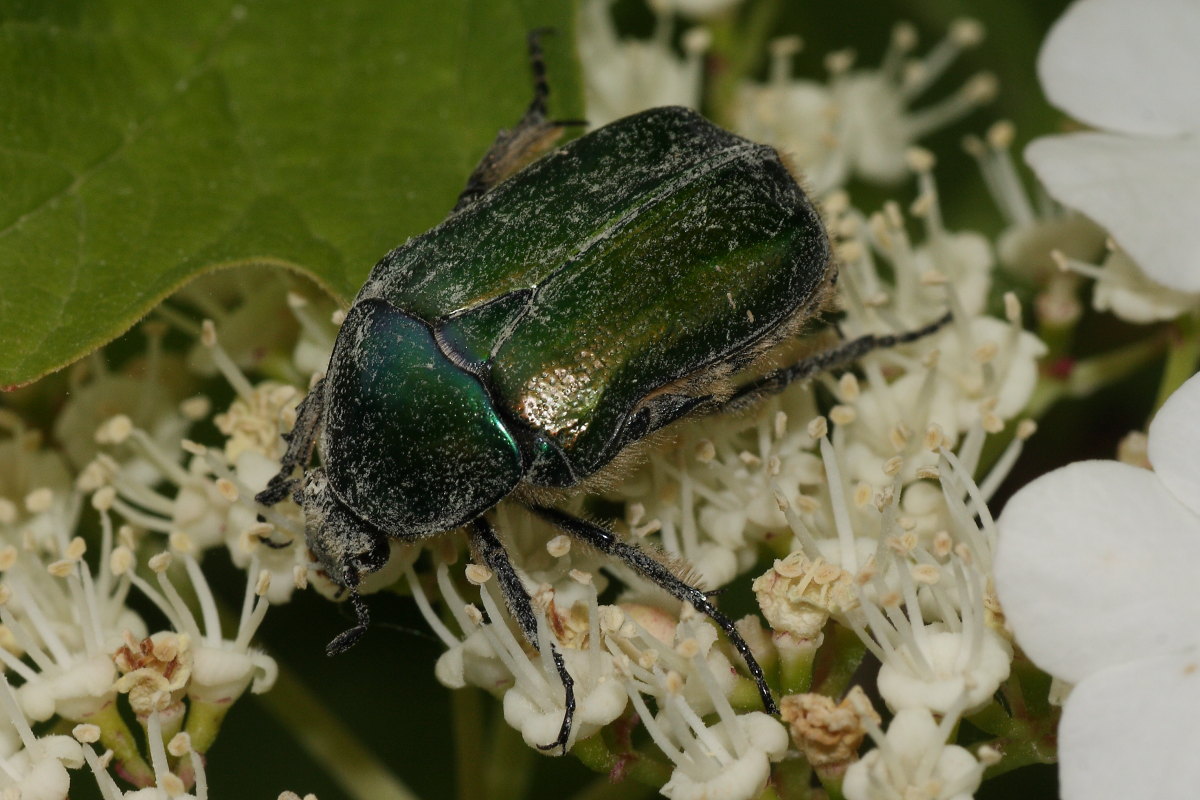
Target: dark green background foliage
(143, 142)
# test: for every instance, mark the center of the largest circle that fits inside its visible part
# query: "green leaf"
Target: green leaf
(144, 142)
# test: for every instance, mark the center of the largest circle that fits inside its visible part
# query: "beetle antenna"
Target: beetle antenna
(347, 639)
(609, 543)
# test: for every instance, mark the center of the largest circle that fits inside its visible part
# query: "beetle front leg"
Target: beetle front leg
(645, 565)
(533, 135)
(488, 548)
(300, 441)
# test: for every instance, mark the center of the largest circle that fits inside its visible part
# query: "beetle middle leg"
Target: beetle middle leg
(488, 548)
(533, 135)
(645, 565)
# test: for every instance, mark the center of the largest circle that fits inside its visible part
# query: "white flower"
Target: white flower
(797, 116)
(730, 759)
(222, 669)
(534, 704)
(940, 666)
(496, 657)
(1097, 573)
(696, 8)
(914, 761)
(875, 121)
(67, 620)
(1037, 227)
(1124, 289)
(1130, 68)
(624, 76)
(39, 770)
(862, 121)
(738, 760)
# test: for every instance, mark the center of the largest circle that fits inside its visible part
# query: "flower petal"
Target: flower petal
(1174, 446)
(1130, 731)
(1147, 193)
(1097, 566)
(1125, 65)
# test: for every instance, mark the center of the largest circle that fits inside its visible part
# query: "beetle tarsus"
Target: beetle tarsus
(347, 639)
(564, 730)
(641, 562)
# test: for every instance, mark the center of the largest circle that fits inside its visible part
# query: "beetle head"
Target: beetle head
(347, 548)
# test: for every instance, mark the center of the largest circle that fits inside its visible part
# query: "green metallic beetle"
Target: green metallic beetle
(556, 319)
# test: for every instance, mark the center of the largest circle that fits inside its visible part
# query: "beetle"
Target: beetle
(570, 306)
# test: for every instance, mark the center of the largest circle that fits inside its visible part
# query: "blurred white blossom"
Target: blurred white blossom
(1131, 70)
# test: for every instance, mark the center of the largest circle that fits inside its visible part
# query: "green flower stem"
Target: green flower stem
(1028, 734)
(467, 713)
(604, 788)
(1091, 374)
(846, 653)
(735, 55)
(832, 784)
(204, 722)
(1183, 352)
(745, 696)
(992, 719)
(116, 736)
(1028, 690)
(1020, 750)
(331, 743)
(793, 779)
(508, 770)
(596, 755)
(796, 658)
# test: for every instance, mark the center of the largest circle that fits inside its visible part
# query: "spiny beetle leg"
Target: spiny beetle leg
(488, 548)
(300, 445)
(541, 87)
(533, 135)
(347, 639)
(845, 353)
(607, 542)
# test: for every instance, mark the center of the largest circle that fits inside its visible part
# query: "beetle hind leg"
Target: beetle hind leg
(488, 548)
(778, 380)
(533, 135)
(645, 565)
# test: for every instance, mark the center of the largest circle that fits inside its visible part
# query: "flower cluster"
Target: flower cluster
(74, 649)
